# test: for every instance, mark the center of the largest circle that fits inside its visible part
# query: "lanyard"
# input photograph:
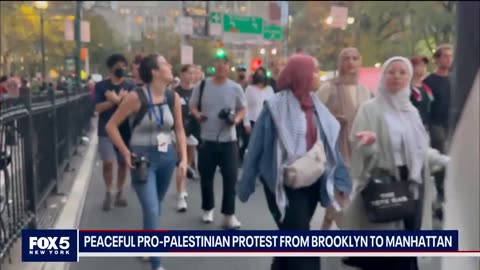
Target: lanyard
(159, 116)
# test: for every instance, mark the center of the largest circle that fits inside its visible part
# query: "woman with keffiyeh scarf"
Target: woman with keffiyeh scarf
(289, 125)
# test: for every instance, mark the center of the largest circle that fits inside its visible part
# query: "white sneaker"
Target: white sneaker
(231, 223)
(161, 268)
(207, 216)
(181, 203)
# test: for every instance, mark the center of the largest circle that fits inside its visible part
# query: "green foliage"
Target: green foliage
(381, 29)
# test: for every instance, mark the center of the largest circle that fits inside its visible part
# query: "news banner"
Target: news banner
(69, 245)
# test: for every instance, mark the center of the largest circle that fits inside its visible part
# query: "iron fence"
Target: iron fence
(38, 135)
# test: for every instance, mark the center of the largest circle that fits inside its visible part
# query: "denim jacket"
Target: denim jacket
(261, 158)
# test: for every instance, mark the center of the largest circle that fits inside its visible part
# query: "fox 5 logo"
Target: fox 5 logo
(53, 245)
(49, 246)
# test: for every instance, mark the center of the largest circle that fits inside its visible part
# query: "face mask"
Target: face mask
(119, 72)
(241, 77)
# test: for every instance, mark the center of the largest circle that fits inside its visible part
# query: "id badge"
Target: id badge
(183, 101)
(163, 140)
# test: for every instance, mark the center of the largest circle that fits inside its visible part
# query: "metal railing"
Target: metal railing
(38, 135)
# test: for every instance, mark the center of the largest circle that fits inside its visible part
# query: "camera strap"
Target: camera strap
(202, 88)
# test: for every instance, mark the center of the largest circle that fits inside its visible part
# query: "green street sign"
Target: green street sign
(215, 17)
(242, 24)
(272, 32)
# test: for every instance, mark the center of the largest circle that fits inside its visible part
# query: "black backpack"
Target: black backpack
(145, 106)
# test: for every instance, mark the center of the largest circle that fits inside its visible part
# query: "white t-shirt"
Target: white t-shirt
(255, 99)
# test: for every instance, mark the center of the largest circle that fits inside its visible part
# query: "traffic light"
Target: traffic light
(220, 53)
(269, 73)
(255, 64)
(210, 70)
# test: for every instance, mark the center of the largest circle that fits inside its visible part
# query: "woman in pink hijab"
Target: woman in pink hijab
(291, 124)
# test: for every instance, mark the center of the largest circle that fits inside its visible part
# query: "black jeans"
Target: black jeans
(225, 155)
(245, 139)
(302, 205)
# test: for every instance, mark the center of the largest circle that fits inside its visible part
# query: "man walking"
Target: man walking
(242, 76)
(439, 83)
(219, 105)
(108, 95)
(184, 90)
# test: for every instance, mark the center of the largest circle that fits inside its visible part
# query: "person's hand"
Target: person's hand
(201, 118)
(248, 130)
(341, 119)
(445, 160)
(342, 198)
(127, 156)
(366, 138)
(123, 93)
(111, 96)
(182, 168)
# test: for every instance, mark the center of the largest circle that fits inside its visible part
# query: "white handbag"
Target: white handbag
(306, 170)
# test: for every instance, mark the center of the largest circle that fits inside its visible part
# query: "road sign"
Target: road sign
(339, 16)
(186, 55)
(215, 17)
(242, 24)
(215, 26)
(70, 63)
(185, 26)
(272, 32)
(69, 30)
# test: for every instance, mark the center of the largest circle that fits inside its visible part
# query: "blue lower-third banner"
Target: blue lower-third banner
(68, 245)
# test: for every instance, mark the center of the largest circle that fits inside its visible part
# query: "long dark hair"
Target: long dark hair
(257, 78)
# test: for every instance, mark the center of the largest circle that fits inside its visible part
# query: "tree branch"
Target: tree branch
(390, 34)
(425, 37)
(383, 25)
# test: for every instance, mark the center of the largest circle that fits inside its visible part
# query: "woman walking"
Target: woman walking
(390, 141)
(292, 127)
(153, 111)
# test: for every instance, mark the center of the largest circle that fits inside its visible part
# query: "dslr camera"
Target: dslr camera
(227, 115)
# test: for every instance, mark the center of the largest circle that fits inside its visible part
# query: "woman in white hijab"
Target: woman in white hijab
(389, 129)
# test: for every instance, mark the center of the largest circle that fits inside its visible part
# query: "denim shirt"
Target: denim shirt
(260, 160)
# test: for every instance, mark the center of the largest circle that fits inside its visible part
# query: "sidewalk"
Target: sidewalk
(61, 210)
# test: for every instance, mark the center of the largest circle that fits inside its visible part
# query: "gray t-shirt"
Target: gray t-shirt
(215, 98)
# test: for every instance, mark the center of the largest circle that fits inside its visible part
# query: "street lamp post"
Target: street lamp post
(42, 6)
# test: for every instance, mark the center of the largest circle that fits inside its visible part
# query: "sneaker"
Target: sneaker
(120, 201)
(207, 216)
(181, 202)
(107, 203)
(231, 223)
(160, 268)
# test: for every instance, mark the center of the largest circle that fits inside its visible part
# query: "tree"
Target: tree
(380, 30)
(103, 42)
(22, 38)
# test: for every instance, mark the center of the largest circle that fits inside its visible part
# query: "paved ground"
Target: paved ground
(254, 215)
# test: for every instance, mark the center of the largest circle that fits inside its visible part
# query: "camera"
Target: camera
(140, 172)
(228, 115)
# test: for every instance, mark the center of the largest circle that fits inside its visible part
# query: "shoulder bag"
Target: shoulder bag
(306, 170)
(385, 197)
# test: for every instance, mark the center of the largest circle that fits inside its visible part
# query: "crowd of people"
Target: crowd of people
(307, 141)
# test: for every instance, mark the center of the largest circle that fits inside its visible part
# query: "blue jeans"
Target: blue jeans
(151, 193)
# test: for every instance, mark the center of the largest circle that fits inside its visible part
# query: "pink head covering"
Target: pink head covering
(298, 77)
